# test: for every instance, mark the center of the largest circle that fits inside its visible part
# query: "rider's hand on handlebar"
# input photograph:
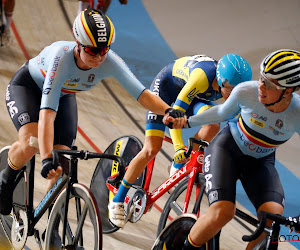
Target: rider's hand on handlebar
(174, 118)
(296, 223)
(179, 156)
(50, 171)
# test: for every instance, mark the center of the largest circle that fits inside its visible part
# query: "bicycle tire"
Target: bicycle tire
(88, 235)
(131, 145)
(19, 196)
(173, 208)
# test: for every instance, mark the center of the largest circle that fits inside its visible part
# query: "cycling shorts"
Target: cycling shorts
(164, 87)
(224, 164)
(23, 100)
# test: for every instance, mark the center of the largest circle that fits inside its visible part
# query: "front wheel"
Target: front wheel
(83, 228)
(174, 208)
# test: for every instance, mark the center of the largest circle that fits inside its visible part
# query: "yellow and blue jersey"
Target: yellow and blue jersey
(186, 83)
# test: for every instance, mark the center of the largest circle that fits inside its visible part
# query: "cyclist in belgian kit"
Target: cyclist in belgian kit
(191, 83)
(41, 96)
(245, 148)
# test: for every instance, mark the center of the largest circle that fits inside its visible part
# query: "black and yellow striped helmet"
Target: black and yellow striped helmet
(93, 28)
(283, 66)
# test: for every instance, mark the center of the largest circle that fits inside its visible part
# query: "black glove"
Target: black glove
(175, 113)
(47, 166)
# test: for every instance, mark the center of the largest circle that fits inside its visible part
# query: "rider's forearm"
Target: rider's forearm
(153, 103)
(46, 132)
(176, 139)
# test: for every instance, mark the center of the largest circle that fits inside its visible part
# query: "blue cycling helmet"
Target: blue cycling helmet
(234, 69)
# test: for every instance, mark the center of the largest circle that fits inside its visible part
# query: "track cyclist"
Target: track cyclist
(41, 99)
(245, 148)
(191, 83)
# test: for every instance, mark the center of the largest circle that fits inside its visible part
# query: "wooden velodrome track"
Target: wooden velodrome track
(40, 23)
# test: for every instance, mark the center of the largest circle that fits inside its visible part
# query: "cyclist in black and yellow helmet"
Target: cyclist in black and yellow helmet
(41, 101)
(281, 67)
(245, 148)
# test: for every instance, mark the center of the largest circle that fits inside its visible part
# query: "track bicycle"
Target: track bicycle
(175, 208)
(139, 199)
(74, 222)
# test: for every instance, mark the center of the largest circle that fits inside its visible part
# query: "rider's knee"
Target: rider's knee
(222, 212)
(213, 128)
(28, 147)
(151, 151)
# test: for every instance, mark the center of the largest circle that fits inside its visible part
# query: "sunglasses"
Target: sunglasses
(93, 51)
(269, 84)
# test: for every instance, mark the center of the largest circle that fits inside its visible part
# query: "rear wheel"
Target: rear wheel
(83, 230)
(174, 208)
(127, 147)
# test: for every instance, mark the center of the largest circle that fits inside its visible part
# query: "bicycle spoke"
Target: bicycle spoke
(69, 233)
(80, 224)
(176, 208)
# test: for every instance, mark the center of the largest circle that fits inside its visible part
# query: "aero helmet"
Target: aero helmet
(284, 66)
(233, 68)
(93, 28)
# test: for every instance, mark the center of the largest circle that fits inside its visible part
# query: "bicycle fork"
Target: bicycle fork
(196, 161)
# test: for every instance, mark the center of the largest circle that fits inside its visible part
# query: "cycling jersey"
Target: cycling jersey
(257, 131)
(55, 72)
(186, 82)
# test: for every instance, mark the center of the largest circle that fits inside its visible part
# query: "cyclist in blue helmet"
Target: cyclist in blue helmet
(191, 83)
(234, 69)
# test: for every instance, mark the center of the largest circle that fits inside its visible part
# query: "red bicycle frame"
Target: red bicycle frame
(191, 168)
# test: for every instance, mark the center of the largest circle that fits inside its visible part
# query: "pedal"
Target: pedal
(136, 204)
(129, 213)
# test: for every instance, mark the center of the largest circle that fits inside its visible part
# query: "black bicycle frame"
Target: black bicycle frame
(34, 215)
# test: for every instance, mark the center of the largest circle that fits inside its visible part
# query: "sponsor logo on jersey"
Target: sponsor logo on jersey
(24, 118)
(259, 117)
(155, 91)
(87, 85)
(91, 78)
(192, 94)
(257, 122)
(46, 91)
(71, 84)
(55, 63)
(275, 132)
(73, 80)
(213, 196)
(255, 148)
(180, 72)
(279, 123)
